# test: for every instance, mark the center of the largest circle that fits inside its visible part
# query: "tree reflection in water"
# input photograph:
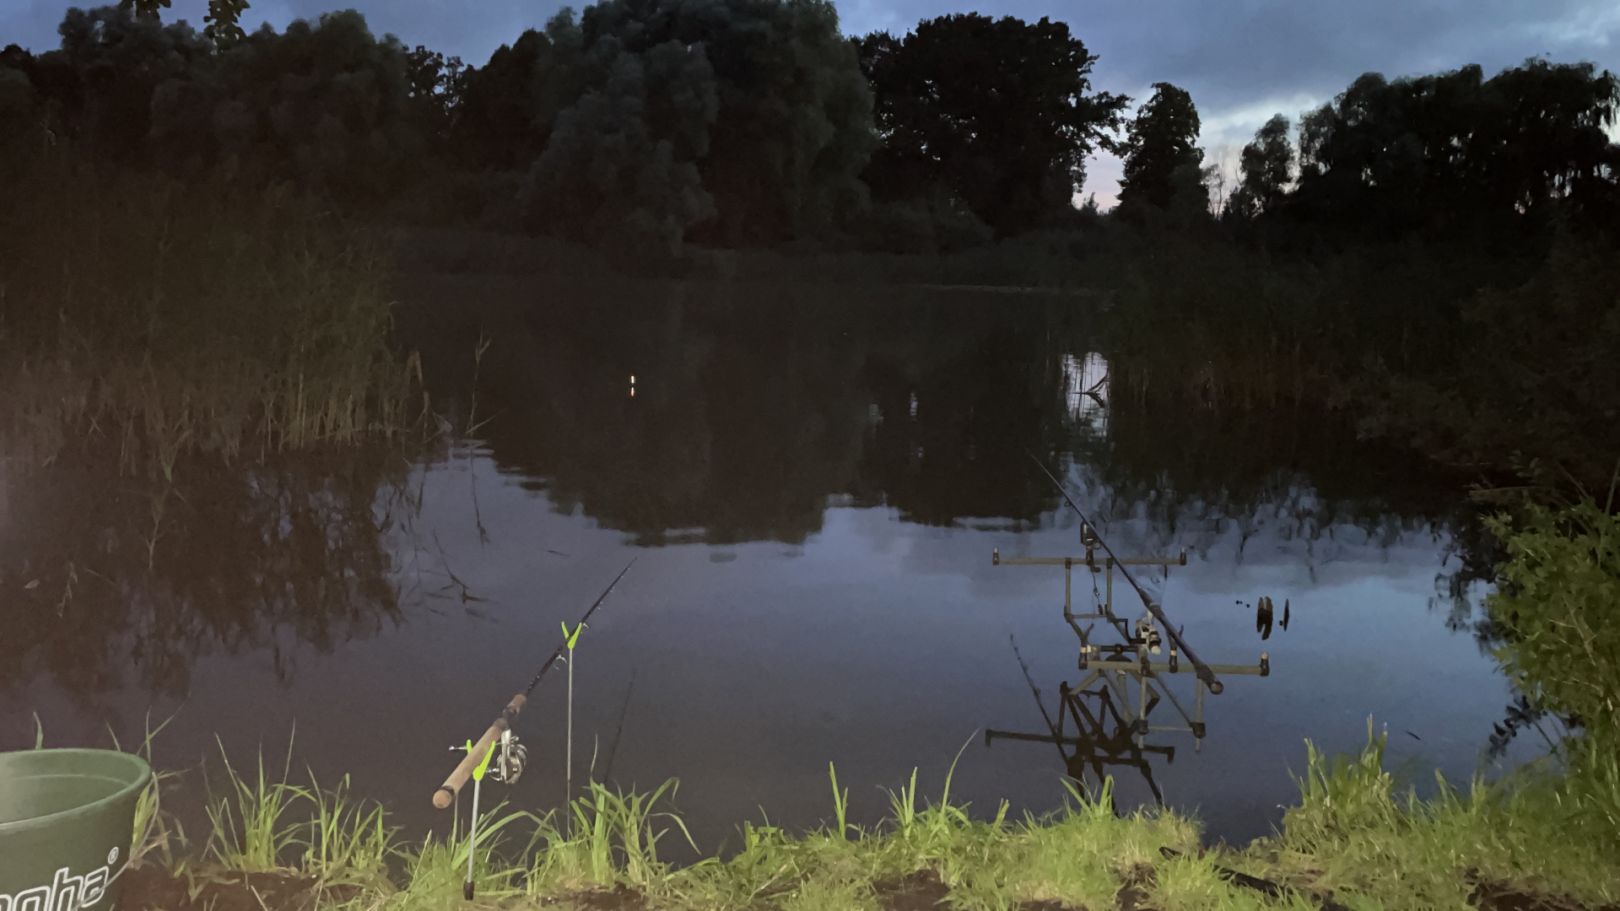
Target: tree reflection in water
(105, 575)
(755, 405)
(755, 408)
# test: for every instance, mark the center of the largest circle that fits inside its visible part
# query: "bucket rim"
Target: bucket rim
(142, 778)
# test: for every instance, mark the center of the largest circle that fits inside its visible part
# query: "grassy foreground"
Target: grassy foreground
(1352, 841)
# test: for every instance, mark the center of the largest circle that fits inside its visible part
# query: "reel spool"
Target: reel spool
(510, 759)
(1148, 634)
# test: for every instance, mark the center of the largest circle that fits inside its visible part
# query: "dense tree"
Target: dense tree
(794, 128)
(761, 100)
(621, 164)
(508, 105)
(1267, 168)
(1453, 150)
(147, 9)
(324, 104)
(747, 121)
(996, 112)
(17, 96)
(1162, 157)
(223, 21)
(435, 84)
(110, 67)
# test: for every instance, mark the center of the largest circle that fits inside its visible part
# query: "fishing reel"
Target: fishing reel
(510, 759)
(1148, 634)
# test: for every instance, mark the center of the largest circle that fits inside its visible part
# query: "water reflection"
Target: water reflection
(755, 405)
(816, 476)
(1094, 740)
(1085, 386)
(755, 410)
(112, 582)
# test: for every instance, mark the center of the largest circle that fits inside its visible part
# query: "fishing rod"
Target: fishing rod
(1201, 669)
(478, 752)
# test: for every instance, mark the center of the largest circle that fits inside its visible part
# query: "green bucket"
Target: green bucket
(67, 818)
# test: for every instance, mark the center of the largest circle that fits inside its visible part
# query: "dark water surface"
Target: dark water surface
(812, 481)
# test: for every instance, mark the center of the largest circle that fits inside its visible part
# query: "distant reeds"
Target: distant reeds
(153, 320)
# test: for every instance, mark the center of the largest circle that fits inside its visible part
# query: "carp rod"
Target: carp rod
(478, 752)
(1200, 669)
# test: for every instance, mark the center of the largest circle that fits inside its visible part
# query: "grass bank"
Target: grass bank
(1352, 841)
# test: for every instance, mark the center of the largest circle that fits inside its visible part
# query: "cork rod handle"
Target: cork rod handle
(446, 794)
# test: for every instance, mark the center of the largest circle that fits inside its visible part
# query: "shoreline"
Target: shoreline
(1353, 840)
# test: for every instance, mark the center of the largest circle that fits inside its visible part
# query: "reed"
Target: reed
(155, 321)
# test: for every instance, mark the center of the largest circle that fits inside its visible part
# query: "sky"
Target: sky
(1242, 60)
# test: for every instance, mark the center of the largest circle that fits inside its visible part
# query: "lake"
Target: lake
(811, 481)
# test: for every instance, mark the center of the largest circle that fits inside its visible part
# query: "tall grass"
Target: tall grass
(248, 827)
(1354, 840)
(264, 823)
(436, 868)
(155, 833)
(1354, 833)
(611, 838)
(154, 320)
(347, 841)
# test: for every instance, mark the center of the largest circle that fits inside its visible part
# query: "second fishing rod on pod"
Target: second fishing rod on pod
(1200, 669)
(498, 747)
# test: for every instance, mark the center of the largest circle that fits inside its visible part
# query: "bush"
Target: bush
(1558, 594)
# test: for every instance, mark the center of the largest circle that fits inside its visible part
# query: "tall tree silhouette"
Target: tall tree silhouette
(998, 113)
(1162, 157)
(621, 165)
(794, 126)
(1455, 150)
(1267, 167)
(508, 105)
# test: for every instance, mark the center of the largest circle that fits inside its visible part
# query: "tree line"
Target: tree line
(653, 123)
